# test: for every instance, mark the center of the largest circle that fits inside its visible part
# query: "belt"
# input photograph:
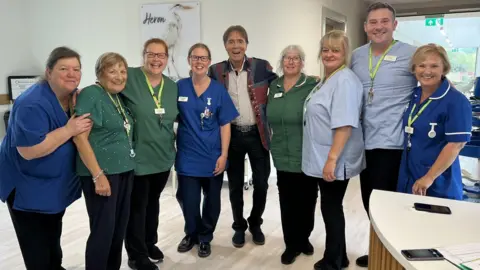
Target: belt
(244, 128)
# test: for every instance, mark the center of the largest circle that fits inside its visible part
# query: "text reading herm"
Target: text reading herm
(149, 19)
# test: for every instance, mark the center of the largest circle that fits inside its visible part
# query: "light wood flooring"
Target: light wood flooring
(224, 255)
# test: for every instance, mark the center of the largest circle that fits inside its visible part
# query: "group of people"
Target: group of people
(386, 113)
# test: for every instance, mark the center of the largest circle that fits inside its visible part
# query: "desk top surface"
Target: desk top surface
(399, 226)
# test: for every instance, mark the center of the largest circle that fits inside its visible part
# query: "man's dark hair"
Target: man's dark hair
(381, 5)
(235, 28)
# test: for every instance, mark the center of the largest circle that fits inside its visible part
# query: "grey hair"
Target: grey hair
(289, 48)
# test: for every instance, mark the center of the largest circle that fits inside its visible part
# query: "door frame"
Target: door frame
(334, 16)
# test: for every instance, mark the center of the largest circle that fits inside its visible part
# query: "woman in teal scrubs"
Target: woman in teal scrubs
(437, 125)
(37, 160)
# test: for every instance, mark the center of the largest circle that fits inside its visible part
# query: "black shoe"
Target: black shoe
(204, 250)
(257, 236)
(308, 249)
(187, 244)
(320, 265)
(238, 239)
(155, 254)
(362, 261)
(144, 264)
(289, 256)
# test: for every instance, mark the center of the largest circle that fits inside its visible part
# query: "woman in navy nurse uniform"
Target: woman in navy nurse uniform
(437, 125)
(37, 160)
(205, 112)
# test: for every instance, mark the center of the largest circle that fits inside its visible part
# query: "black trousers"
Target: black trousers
(144, 211)
(200, 226)
(381, 173)
(38, 236)
(298, 198)
(242, 143)
(108, 221)
(331, 205)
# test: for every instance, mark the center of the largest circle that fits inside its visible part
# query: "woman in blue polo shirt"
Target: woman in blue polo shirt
(437, 124)
(206, 111)
(37, 160)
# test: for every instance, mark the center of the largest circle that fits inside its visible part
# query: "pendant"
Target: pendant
(432, 134)
(370, 96)
(132, 153)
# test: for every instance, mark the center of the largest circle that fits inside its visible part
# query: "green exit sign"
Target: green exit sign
(433, 21)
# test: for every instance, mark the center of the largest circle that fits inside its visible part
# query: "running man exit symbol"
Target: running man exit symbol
(433, 21)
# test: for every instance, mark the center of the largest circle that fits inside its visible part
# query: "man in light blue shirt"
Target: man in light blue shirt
(383, 67)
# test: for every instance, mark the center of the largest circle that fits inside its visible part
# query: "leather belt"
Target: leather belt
(244, 128)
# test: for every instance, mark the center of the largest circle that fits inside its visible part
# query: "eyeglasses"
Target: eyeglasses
(295, 59)
(159, 55)
(199, 58)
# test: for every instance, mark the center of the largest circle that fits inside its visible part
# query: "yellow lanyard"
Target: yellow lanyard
(410, 120)
(157, 100)
(121, 111)
(374, 73)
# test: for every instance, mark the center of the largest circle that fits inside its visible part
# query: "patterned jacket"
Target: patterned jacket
(260, 75)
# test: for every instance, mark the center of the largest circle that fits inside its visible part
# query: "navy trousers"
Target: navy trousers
(200, 226)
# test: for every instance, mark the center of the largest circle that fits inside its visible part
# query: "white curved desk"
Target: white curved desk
(396, 225)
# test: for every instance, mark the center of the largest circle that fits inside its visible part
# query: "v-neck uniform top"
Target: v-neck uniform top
(285, 118)
(338, 103)
(42, 185)
(450, 113)
(199, 142)
(154, 137)
(108, 137)
(393, 84)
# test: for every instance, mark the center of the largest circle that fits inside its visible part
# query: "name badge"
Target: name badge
(278, 95)
(160, 111)
(390, 58)
(409, 130)
(183, 99)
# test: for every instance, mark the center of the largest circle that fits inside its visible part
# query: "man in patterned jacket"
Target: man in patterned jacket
(247, 80)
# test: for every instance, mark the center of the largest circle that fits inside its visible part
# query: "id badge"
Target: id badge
(409, 130)
(160, 111)
(278, 95)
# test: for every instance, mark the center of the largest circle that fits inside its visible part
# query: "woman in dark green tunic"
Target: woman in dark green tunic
(106, 162)
(152, 99)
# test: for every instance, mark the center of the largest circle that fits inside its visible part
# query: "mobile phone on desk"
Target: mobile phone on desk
(438, 209)
(429, 254)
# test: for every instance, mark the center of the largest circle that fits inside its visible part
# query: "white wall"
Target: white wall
(93, 27)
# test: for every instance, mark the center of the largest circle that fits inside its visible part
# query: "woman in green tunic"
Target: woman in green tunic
(152, 99)
(106, 162)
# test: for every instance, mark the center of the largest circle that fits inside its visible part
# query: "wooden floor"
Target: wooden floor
(224, 255)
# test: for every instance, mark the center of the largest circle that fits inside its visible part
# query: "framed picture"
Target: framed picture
(18, 84)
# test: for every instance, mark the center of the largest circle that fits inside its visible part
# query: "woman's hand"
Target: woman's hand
(102, 186)
(329, 170)
(220, 166)
(80, 124)
(421, 185)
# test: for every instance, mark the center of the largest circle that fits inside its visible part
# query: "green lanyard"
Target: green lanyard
(316, 88)
(374, 73)
(410, 120)
(157, 100)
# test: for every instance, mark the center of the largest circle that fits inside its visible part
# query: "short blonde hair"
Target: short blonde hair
(107, 60)
(290, 48)
(422, 52)
(336, 37)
